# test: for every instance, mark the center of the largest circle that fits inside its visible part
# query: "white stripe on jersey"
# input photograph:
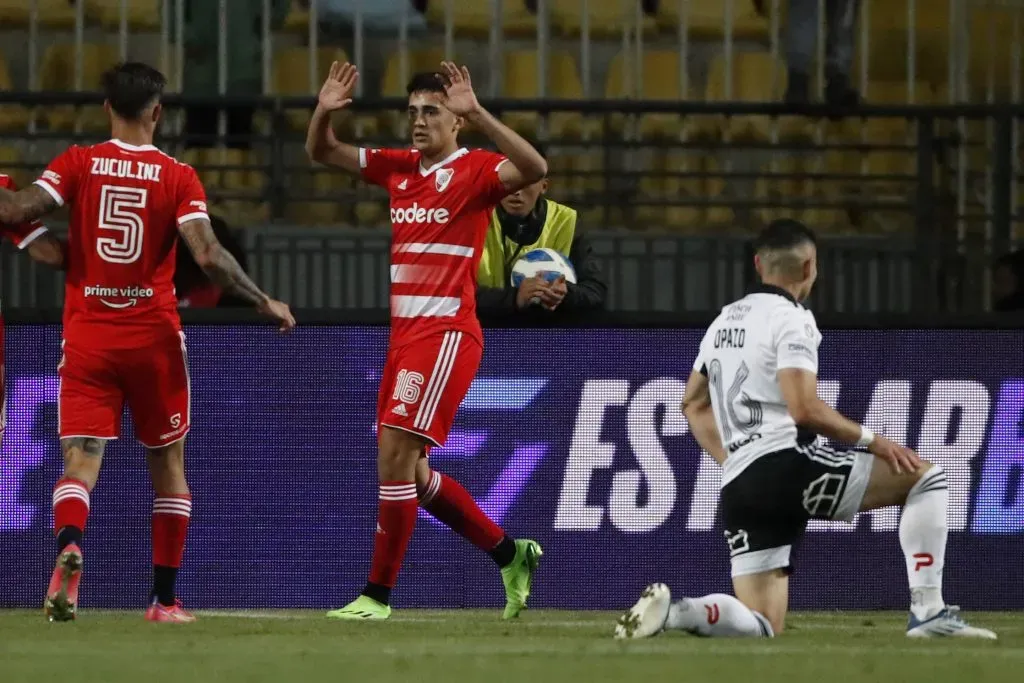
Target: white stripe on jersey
(436, 248)
(408, 306)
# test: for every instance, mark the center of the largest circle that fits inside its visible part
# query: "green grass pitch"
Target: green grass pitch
(422, 646)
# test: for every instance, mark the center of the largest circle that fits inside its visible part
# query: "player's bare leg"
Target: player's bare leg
(172, 509)
(923, 531)
(452, 505)
(397, 455)
(83, 457)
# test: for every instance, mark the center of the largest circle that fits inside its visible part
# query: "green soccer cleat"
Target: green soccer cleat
(518, 577)
(361, 609)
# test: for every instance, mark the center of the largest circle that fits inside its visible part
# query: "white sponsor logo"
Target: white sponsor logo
(126, 168)
(418, 214)
(642, 496)
(201, 206)
(400, 410)
(51, 177)
(132, 294)
(404, 184)
(442, 177)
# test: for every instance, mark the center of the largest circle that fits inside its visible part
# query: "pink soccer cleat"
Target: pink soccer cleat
(62, 596)
(174, 614)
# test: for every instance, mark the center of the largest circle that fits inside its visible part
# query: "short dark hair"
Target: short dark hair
(784, 233)
(131, 87)
(426, 81)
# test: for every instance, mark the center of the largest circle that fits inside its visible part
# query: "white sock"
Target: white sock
(718, 616)
(923, 531)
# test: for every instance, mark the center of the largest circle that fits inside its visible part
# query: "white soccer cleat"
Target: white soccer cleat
(946, 624)
(648, 616)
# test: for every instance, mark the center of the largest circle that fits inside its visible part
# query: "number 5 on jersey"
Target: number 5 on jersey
(120, 213)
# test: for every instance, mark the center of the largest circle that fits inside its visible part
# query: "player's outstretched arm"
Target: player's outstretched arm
(322, 145)
(697, 408)
(221, 267)
(25, 205)
(525, 164)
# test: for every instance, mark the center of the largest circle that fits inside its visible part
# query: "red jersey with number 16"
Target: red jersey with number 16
(439, 217)
(127, 202)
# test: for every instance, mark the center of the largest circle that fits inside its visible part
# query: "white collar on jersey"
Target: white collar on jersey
(133, 148)
(461, 151)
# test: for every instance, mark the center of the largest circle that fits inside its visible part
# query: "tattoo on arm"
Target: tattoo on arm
(87, 444)
(25, 205)
(218, 263)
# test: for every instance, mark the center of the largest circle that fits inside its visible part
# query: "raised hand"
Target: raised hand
(337, 90)
(459, 89)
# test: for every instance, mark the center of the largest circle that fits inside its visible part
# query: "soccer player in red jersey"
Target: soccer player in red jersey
(122, 335)
(442, 196)
(42, 247)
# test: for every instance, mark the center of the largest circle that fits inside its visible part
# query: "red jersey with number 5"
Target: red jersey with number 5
(126, 202)
(439, 219)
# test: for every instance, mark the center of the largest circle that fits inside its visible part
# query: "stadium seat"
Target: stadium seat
(297, 19)
(476, 17)
(13, 12)
(142, 14)
(12, 117)
(10, 160)
(393, 83)
(661, 81)
(57, 72)
(792, 193)
(291, 77)
(606, 17)
(563, 83)
(52, 13)
(754, 77)
(705, 19)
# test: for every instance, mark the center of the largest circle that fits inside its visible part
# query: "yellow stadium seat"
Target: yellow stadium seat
(13, 12)
(563, 82)
(754, 77)
(476, 17)
(706, 18)
(141, 14)
(201, 160)
(10, 159)
(795, 191)
(394, 82)
(12, 117)
(57, 72)
(606, 17)
(661, 74)
(291, 77)
(297, 19)
(52, 13)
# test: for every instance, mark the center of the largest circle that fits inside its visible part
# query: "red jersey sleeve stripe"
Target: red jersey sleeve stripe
(51, 190)
(195, 216)
(32, 237)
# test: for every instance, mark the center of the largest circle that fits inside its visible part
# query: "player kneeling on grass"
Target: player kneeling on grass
(753, 405)
(442, 196)
(122, 335)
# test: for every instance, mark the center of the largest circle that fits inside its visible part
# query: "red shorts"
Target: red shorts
(152, 379)
(425, 381)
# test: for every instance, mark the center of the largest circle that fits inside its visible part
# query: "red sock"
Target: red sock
(396, 519)
(170, 526)
(70, 509)
(452, 505)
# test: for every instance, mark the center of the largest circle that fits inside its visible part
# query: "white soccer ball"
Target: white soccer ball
(547, 263)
